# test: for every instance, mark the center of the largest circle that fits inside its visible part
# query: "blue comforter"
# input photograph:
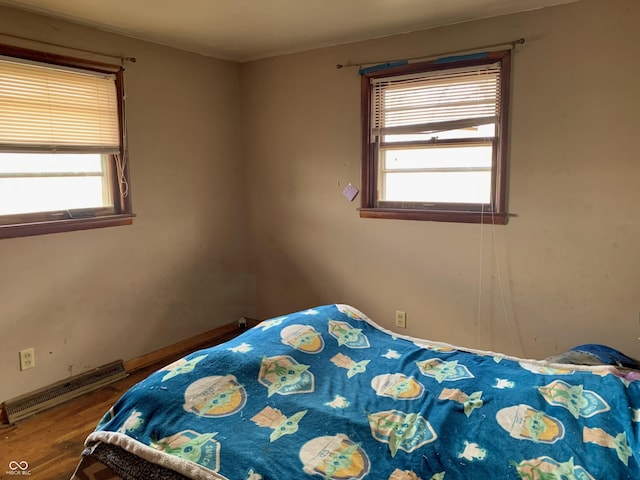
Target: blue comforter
(326, 393)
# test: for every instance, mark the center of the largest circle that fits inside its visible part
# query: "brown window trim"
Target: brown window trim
(67, 225)
(434, 215)
(369, 205)
(122, 212)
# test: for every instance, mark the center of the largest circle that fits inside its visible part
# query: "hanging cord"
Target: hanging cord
(59, 45)
(513, 336)
(480, 277)
(121, 159)
(121, 164)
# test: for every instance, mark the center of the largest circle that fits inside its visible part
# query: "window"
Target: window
(62, 151)
(435, 140)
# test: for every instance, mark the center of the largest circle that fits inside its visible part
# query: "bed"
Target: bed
(327, 393)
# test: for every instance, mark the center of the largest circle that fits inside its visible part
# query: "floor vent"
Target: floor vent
(25, 405)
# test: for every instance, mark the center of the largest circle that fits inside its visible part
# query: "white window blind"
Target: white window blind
(435, 101)
(44, 108)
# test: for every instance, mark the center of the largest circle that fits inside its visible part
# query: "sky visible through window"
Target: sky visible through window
(438, 174)
(37, 182)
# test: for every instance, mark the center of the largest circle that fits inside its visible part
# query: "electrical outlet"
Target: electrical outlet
(27, 359)
(401, 319)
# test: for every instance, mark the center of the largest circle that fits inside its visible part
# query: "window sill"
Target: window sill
(435, 215)
(66, 225)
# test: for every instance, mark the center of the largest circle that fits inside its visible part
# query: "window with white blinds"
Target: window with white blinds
(434, 142)
(46, 108)
(63, 162)
(436, 101)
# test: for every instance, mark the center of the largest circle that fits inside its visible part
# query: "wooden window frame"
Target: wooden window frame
(66, 221)
(496, 211)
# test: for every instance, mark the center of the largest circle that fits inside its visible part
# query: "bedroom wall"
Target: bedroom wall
(563, 272)
(83, 299)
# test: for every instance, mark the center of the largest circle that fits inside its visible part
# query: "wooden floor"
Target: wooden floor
(51, 441)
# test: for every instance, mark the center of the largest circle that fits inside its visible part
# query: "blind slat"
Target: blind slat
(434, 127)
(58, 148)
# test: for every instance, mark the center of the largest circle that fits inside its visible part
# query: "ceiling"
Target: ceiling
(242, 30)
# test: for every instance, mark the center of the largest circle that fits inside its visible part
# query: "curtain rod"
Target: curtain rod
(513, 44)
(122, 59)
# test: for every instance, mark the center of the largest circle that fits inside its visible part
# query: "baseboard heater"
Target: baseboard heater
(23, 406)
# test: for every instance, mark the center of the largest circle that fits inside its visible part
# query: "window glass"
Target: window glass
(453, 174)
(34, 182)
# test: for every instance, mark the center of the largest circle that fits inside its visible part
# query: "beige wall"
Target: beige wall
(222, 153)
(564, 271)
(83, 299)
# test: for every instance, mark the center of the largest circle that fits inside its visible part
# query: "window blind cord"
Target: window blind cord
(479, 314)
(121, 163)
(121, 160)
(513, 336)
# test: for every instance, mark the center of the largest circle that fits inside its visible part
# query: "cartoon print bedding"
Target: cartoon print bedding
(326, 393)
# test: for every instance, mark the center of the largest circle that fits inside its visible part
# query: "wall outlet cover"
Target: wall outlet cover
(27, 359)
